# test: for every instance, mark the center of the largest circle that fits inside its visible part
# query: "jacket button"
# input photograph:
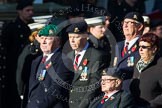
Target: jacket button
(71, 101)
(37, 101)
(45, 90)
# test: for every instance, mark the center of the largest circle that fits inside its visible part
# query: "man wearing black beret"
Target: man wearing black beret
(113, 96)
(88, 64)
(127, 50)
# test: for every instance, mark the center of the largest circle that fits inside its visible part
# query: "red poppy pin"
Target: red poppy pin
(48, 65)
(134, 48)
(85, 62)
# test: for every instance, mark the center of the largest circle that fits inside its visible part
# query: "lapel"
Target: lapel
(130, 52)
(71, 55)
(96, 102)
(153, 63)
(51, 70)
(113, 101)
(121, 46)
(33, 81)
(86, 56)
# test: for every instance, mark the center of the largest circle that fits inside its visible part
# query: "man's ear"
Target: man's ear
(141, 26)
(118, 82)
(154, 49)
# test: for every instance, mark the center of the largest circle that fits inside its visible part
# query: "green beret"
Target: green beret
(48, 30)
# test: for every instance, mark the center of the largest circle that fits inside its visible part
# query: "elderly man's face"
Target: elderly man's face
(131, 28)
(77, 41)
(108, 83)
(48, 44)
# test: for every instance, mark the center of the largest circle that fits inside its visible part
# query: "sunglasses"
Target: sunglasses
(145, 47)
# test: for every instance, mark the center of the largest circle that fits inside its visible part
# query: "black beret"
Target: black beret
(78, 28)
(24, 3)
(135, 16)
(115, 72)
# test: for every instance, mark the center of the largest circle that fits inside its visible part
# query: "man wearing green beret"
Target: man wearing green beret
(47, 71)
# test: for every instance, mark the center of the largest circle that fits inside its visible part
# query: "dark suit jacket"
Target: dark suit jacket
(101, 44)
(52, 92)
(148, 84)
(120, 99)
(122, 62)
(84, 91)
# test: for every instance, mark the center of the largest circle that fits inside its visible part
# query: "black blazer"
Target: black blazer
(84, 91)
(52, 92)
(120, 99)
(148, 84)
(122, 62)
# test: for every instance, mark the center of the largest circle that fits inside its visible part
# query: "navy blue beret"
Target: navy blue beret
(78, 28)
(135, 16)
(116, 72)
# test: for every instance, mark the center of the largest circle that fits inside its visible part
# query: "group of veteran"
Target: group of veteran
(139, 56)
(83, 78)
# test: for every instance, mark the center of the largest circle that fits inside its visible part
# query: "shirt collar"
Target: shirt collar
(131, 43)
(82, 52)
(112, 93)
(50, 55)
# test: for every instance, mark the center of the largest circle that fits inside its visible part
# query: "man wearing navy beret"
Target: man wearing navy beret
(88, 64)
(50, 74)
(113, 96)
(127, 50)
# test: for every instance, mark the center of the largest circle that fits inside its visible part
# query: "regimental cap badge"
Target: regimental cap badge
(76, 30)
(51, 32)
(104, 72)
(135, 17)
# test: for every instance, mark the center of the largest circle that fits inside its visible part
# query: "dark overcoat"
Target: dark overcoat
(52, 92)
(83, 91)
(148, 83)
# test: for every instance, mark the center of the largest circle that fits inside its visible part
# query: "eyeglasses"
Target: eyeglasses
(145, 47)
(107, 80)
